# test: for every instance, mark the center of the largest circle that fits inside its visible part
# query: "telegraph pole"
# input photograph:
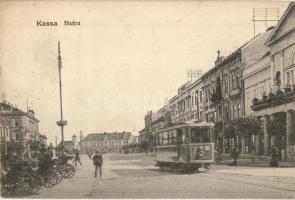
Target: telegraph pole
(62, 122)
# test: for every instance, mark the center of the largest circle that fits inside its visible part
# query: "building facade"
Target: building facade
(277, 109)
(106, 142)
(257, 83)
(254, 86)
(20, 128)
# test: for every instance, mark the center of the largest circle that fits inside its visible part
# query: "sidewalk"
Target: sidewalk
(246, 160)
(81, 185)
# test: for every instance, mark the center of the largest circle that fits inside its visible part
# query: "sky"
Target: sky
(125, 58)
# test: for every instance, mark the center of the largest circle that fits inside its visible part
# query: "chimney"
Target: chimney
(219, 58)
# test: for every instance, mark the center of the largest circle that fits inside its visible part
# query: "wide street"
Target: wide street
(134, 176)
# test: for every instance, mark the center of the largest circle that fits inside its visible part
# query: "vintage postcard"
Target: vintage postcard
(147, 99)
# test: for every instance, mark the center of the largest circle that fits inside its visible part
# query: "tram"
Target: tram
(186, 147)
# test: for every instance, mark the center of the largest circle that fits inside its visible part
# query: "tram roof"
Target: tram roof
(190, 124)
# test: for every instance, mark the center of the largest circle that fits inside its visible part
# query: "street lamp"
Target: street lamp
(62, 122)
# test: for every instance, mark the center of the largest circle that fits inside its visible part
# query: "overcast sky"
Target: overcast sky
(124, 59)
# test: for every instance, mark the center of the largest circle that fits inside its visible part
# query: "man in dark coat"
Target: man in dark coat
(235, 153)
(77, 158)
(274, 157)
(97, 162)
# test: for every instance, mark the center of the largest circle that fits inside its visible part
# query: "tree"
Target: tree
(35, 146)
(248, 126)
(276, 127)
(144, 146)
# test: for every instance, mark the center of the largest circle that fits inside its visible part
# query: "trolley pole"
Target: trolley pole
(62, 122)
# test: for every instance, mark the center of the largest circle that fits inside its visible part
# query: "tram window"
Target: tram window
(200, 135)
(165, 137)
(186, 135)
(169, 137)
(180, 136)
(174, 135)
(158, 138)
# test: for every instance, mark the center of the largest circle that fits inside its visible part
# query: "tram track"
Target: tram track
(252, 180)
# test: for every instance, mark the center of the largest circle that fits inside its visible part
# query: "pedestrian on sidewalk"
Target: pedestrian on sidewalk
(97, 162)
(274, 157)
(77, 158)
(235, 153)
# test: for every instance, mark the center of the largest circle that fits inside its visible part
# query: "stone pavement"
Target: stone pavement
(84, 177)
(258, 161)
(262, 172)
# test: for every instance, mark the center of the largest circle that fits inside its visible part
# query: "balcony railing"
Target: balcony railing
(273, 100)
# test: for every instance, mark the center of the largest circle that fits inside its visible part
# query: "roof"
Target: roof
(189, 124)
(66, 143)
(109, 136)
(271, 38)
(230, 57)
(9, 109)
(256, 49)
(43, 136)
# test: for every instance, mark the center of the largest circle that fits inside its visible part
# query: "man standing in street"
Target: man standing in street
(97, 162)
(235, 154)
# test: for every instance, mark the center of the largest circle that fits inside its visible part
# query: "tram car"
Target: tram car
(185, 147)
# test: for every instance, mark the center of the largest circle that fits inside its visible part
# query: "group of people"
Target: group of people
(97, 161)
(235, 155)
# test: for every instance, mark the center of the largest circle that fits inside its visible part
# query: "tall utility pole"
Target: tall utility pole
(62, 122)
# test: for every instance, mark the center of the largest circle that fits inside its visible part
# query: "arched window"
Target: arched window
(278, 78)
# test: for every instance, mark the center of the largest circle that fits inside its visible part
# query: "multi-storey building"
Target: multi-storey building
(257, 83)
(277, 109)
(106, 142)
(256, 80)
(153, 121)
(187, 105)
(23, 127)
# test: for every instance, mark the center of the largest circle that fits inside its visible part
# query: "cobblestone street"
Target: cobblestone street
(134, 176)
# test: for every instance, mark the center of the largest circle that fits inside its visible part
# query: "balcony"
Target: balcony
(235, 91)
(273, 100)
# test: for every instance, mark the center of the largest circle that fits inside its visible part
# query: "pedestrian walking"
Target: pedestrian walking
(97, 162)
(89, 154)
(274, 157)
(77, 158)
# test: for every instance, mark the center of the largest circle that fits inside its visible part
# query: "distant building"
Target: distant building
(106, 142)
(70, 146)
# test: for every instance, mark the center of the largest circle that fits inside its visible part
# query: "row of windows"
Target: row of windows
(198, 135)
(166, 137)
(187, 103)
(257, 92)
(4, 132)
(290, 78)
(107, 143)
